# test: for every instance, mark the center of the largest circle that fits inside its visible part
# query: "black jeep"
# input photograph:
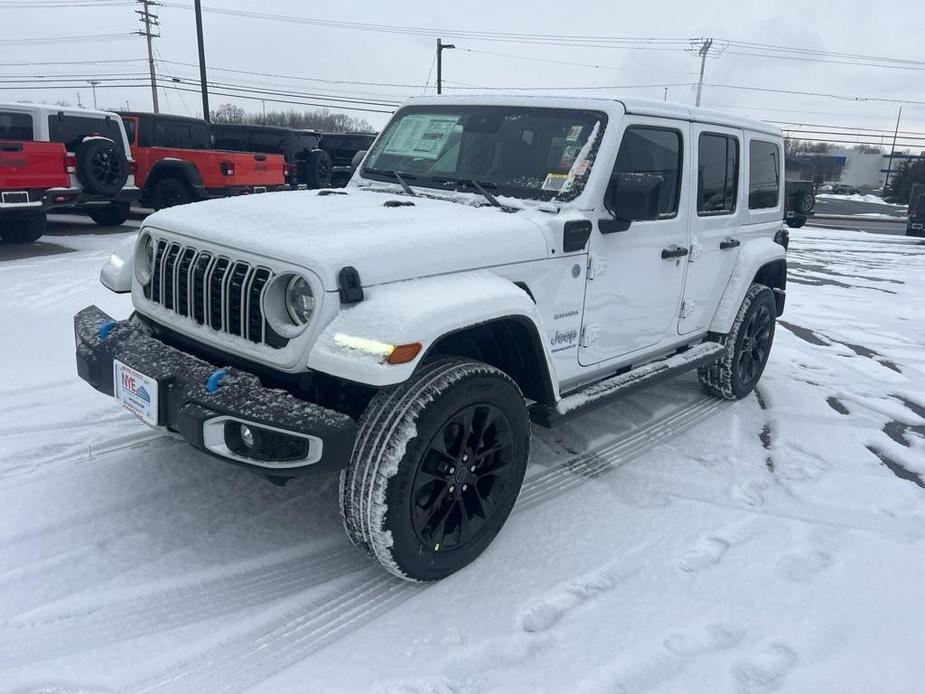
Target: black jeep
(307, 165)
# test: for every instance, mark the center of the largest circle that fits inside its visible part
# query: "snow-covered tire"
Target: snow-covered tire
(748, 346)
(415, 449)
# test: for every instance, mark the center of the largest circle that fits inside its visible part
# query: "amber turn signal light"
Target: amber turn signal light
(402, 354)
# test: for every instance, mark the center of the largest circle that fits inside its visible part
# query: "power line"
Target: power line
(54, 41)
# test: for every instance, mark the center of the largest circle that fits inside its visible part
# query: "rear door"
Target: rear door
(715, 222)
(24, 163)
(635, 277)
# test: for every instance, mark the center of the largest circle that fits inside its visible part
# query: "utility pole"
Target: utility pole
(889, 167)
(666, 93)
(703, 53)
(440, 48)
(202, 61)
(93, 84)
(149, 20)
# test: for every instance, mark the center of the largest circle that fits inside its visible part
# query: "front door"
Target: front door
(715, 222)
(635, 277)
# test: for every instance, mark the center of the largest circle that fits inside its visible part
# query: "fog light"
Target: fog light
(247, 436)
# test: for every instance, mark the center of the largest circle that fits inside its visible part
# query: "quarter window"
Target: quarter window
(654, 152)
(763, 174)
(717, 173)
(180, 134)
(15, 126)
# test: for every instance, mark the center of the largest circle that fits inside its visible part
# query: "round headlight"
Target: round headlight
(144, 260)
(300, 302)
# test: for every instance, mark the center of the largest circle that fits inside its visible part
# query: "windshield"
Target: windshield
(536, 153)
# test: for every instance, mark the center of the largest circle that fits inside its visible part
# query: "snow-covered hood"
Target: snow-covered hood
(382, 235)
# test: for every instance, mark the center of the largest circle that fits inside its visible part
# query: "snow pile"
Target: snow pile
(856, 197)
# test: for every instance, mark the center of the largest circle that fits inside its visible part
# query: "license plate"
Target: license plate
(260, 189)
(15, 197)
(136, 392)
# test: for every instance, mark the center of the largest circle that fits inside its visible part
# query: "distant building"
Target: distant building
(850, 167)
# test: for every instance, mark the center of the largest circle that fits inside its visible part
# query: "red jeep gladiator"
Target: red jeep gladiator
(53, 157)
(177, 165)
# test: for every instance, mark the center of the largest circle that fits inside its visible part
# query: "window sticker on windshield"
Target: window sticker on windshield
(582, 163)
(574, 133)
(420, 136)
(554, 181)
(569, 154)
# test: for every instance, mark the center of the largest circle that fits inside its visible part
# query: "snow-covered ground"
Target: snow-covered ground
(668, 543)
(857, 197)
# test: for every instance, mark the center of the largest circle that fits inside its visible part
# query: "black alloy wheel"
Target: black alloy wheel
(755, 345)
(462, 477)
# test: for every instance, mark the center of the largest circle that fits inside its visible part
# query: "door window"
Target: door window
(15, 126)
(763, 174)
(718, 174)
(654, 151)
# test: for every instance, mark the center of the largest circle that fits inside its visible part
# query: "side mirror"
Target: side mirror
(357, 160)
(631, 197)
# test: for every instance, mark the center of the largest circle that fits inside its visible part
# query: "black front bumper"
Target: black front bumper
(187, 405)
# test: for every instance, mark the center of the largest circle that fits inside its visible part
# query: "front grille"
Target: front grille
(213, 290)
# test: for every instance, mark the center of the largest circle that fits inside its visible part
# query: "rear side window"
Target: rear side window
(15, 126)
(763, 174)
(180, 135)
(231, 139)
(270, 142)
(654, 151)
(71, 130)
(717, 174)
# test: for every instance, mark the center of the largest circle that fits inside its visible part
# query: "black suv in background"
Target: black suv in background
(916, 224)
(307, 165)
(342, 148)
(799, 201)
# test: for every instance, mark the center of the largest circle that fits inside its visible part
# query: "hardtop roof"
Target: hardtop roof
(630, 104)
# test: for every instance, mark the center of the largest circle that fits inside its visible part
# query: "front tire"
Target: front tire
(748, 346)
(436, 469)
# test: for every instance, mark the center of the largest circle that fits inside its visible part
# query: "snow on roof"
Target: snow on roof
(603, 101)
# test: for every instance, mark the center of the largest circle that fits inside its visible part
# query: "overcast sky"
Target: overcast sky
(850, 26)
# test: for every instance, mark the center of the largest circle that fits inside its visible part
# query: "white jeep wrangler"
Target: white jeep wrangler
(493, 261)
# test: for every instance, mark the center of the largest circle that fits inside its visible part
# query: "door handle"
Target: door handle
(674, 252)
(729, 243)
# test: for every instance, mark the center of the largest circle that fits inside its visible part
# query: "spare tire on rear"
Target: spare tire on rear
(102, 167)
(316, 169)
(806, 201)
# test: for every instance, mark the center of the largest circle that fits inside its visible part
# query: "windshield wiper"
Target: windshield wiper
(480, 186)
(402, 178)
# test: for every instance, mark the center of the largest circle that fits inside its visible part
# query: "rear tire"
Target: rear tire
(437, 466)
(170, 192)
(805, 203)
(748, 346)
(112, 216)
(23, 229)
(796, 222)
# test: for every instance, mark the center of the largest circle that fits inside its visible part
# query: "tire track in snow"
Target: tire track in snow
(256, 655)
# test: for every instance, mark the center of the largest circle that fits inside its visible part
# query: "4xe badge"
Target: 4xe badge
(136, 391)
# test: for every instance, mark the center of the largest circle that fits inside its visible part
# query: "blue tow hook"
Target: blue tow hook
(214, 380)
(105, 329)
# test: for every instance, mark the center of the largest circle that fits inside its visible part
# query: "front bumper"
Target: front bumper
(294, 436)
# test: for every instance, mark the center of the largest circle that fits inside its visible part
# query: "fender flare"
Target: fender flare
(753, 256)
(176, 168)
(422, 311)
